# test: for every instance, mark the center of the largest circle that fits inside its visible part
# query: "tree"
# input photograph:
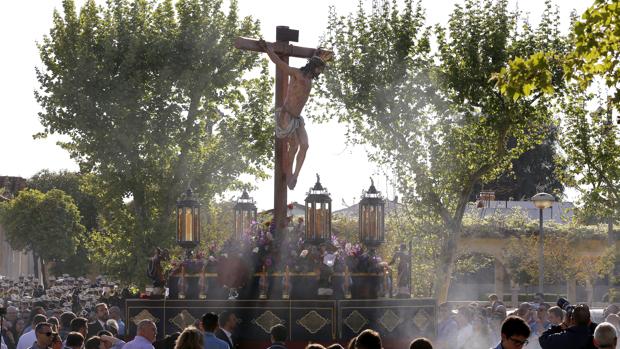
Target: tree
(46, 224)
(154, 99)
(534, 171)
(70, 182)
(440, 127)
(596, 35)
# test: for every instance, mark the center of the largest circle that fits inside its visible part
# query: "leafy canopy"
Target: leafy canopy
(48, 224)
(153, 97)
(437, 120)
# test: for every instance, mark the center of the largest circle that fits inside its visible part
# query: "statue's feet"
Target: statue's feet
(292, 182)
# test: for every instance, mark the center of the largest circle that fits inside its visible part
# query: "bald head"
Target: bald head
(605, 336)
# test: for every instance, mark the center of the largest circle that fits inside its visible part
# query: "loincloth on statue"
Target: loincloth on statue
(294, 123)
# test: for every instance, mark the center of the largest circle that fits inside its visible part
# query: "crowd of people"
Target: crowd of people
(76, 313)
(548, 326)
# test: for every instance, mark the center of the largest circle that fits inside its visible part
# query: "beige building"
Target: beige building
(12, 263)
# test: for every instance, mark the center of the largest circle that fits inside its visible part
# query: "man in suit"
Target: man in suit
(228, 323)
(102, 314)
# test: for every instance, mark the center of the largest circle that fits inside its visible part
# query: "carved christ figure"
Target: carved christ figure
(289, 122)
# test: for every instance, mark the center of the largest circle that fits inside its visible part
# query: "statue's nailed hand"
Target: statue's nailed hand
(262, 44)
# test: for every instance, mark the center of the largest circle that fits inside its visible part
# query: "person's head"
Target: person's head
(115, 312)
(38, 310)
(605, 336)
(613, 319)
(555, 315)
(493, 298)
(74, 340)
(43, 332)
(209, 322)
(581, 315)
(106, 344)
(102, 312)
(611, 309)
(20, 324)
(57, 312)
(148, 330)
(65, 320)
(56, 341)
(539, 298)
(37, 319)
(368, 339)
(279, 333)
(464, 316)
(94, 343)
(542, 312)
(314, 67)
(335, 346)
(228, 320)
(314, 346)
(514, 333)
(11, 313)
(79, 324)
(112, 326)
(190, 338)
(421, 343)
(55, 324)
(524, 311)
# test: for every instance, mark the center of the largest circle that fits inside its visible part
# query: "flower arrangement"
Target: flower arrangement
(259, 249)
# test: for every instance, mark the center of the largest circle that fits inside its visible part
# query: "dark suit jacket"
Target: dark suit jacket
(94, 328)
(221, 335)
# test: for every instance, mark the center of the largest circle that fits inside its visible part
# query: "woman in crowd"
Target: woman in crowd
(190, 338)
(56, 341)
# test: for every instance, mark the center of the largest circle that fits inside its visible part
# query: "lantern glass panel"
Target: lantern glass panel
(188, 224)
(196, 226)
(179, 224)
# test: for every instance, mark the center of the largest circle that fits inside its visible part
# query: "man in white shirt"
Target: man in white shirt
(27, 339)
(228, 323)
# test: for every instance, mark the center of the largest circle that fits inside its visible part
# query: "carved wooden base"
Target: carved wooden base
(307, 320)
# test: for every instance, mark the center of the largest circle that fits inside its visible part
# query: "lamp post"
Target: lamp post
(542, 201)
(318, 214)
(244, 215)
(188, 222)
(371, 217)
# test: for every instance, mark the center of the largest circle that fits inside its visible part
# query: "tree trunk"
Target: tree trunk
(446, 266)
(44, 273)
(35, 259)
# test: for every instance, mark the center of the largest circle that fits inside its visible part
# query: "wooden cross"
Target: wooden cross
(283, 49)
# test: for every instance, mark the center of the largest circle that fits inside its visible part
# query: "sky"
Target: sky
(344, 169)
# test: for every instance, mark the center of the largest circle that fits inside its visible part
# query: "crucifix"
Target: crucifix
(291, 141)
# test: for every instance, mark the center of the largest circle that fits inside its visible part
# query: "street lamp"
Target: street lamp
(245, 214)
(371, 217)
(188, 222)
(542, 201)
(318, 214)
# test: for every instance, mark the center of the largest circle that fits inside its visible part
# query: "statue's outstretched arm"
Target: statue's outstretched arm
(274, 57)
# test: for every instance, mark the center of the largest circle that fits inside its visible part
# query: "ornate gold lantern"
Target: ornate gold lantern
(371, 217)
(318, 214)
(244, 215)
(188, 222)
